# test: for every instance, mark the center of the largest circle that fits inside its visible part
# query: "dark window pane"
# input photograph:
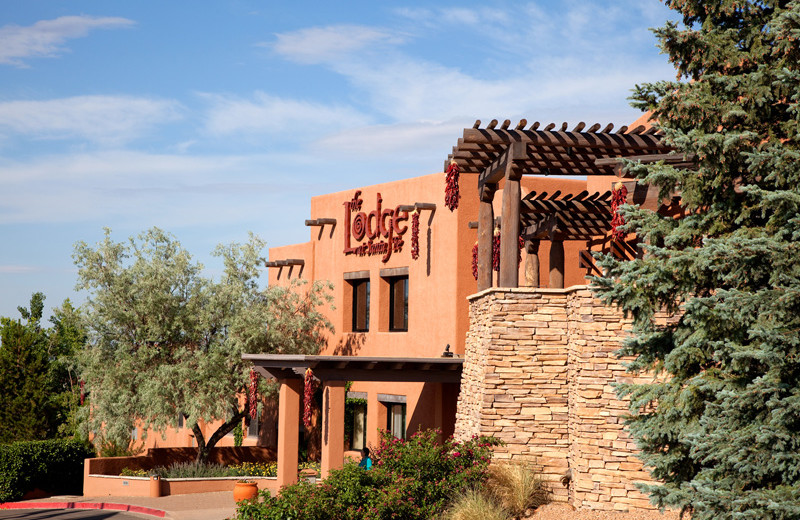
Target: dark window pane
(361, 306)
(398, 304)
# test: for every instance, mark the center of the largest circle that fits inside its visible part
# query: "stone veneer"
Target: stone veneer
(538, 373)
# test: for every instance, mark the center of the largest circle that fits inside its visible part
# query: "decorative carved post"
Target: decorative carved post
(532, 263)
(333, 398)
(485, 232)
(509, 230)
(557, 264)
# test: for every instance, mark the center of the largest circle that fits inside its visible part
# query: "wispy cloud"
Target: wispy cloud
(453, 15)
(325, 44)
(144, 189)
(586, 54)
(265, 113)
(45, 38)
(17, 269)
(103, 119)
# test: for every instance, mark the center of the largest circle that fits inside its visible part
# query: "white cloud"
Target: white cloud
(530, 60)
(17, 269)
(270, 114)
(402, 139)
(45, 37)
(141, 189)
(104, 119)
(325, 44)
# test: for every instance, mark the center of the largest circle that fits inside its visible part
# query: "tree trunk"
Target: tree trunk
(204, 448)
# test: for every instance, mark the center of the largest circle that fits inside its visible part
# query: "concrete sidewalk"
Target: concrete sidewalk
(197, 506)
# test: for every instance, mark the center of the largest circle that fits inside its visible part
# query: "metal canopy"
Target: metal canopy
(359, 368)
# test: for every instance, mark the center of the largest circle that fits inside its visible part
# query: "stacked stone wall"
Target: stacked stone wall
(538, 373)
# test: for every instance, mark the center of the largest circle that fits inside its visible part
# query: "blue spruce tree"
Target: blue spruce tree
(721, 427)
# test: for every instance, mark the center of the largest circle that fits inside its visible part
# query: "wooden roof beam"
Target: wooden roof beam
(668, 158)
(561, 138)
(497, 169)
(419, 206)
(321, 222)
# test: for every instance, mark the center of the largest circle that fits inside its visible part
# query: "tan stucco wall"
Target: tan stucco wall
(440, 282)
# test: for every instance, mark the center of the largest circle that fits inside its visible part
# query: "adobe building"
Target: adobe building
(477, 319)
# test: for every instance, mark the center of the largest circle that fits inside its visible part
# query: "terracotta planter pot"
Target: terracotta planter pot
(245, 491)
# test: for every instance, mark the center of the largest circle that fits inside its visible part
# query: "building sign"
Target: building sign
(375, 233)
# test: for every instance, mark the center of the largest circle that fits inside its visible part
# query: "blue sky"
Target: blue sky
(212, 119)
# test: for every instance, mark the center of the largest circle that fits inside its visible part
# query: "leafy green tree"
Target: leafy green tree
(721, 427)
(39, 397)
(166, 342)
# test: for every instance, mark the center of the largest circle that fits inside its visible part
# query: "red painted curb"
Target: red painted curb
(84, 505)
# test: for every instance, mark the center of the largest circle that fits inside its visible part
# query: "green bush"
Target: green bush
(55, 466)
(194, 470)
(410, 480)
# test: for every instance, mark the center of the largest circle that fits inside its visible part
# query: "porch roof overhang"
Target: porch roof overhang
(359, 368)
(491, 152)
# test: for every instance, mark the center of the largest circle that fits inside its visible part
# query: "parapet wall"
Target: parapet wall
(538, 373)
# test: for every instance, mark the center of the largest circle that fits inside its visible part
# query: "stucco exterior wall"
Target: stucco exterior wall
(538, 373)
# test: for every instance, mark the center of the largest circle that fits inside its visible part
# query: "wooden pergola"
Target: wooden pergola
(505, 154)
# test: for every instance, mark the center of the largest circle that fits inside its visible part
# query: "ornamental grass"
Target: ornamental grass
(516, 487)
(474, 504)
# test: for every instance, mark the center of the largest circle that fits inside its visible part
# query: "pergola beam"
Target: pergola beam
(503, 165)
(562, 139)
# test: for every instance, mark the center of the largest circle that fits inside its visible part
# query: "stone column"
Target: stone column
(333, 396)
(288, 430)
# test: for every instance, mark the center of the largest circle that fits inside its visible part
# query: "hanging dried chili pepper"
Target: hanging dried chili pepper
(475, 261)
(618, 195)
(451, 195)
(496, 250)
(415, 234)
(253, 394)
(83, 393)
(519, 251)
(308, 396)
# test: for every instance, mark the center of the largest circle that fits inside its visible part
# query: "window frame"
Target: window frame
(355, 324)
(393, 282)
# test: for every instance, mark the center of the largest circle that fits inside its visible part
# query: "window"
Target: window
(396, 419)
(360, 305)
(395, 406)
(393, 298)
(359, 438)
(254, 427)
(398, 304)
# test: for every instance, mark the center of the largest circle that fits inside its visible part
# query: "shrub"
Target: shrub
(128, 472)
(54, 466)
(475, 505)
(410, 480)
(194, 469)
(516, 487)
